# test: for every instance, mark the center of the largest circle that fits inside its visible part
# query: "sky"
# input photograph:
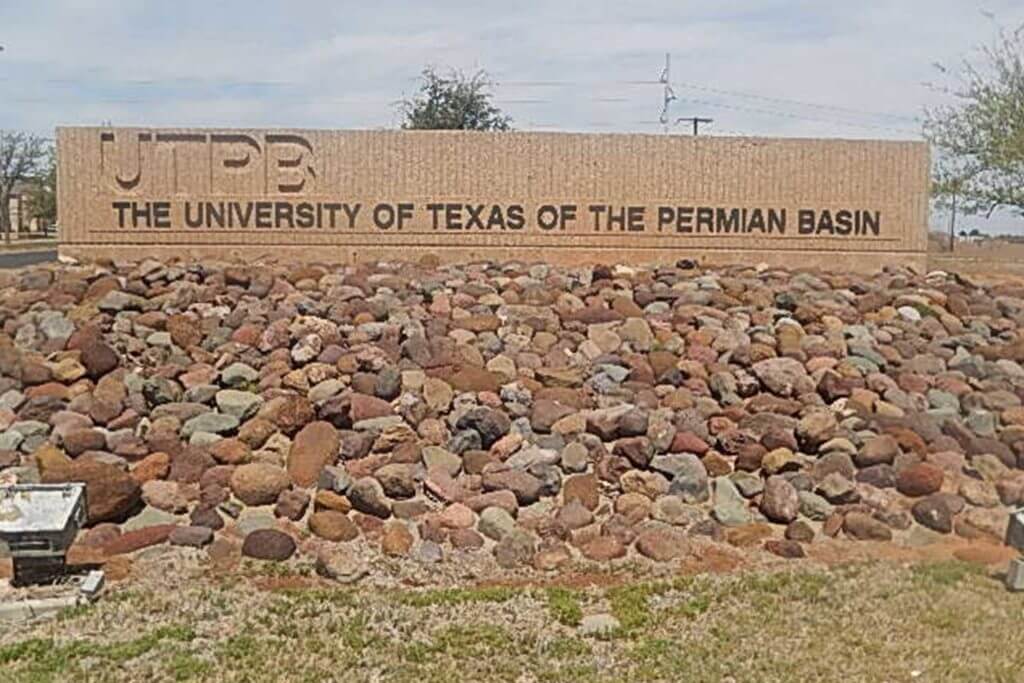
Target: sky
(800, 68)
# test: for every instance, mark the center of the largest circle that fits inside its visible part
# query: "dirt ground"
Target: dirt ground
(994, 261)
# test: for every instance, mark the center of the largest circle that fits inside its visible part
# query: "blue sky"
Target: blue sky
(805, 68)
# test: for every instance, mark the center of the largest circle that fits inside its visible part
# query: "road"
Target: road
(17, 259)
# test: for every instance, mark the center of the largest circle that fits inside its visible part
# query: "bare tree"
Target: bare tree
(21, 157)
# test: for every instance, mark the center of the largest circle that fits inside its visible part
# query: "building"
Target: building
(21, 223)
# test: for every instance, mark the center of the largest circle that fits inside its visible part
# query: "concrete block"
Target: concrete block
(1015, 575)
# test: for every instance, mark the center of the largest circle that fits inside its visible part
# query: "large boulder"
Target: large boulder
(111, 493)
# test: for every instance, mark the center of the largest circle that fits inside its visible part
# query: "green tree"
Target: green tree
(21, 158)
(979, 137)
(42, 198)
(454, 101)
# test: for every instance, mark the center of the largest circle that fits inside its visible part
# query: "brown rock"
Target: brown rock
(111, 493)
(779, 502)
(184, 331)
(130, 541)
(98, 358)
(918, 480)
(603, 549)
(268, 544)
(582, 488)
(329, 500)
(800, 531)
(525, 486)
(258, 483)
(471, 378)
(465, 539)
(79, 441)
(790, 550)
(864, 527)
(332, 526)
(231, 451)
(315, 447)
(877, 450)
(397, 540)
(288, 413)
(364, 407)
(661, 545)
(153, 466)
(292, 504)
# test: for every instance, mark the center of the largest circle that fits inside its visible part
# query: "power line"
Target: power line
(801, 117)
(783, 100)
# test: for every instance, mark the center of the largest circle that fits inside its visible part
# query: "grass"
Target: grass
(869, 622)
(564, 606)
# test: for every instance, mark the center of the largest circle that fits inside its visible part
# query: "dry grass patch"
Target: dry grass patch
(867, 622)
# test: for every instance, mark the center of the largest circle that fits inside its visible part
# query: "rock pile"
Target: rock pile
(534, 413)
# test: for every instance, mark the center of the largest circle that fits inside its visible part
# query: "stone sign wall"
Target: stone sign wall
(566, 198)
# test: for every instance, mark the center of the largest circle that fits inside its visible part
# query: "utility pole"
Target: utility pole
(669, 94)
(696, 120)
(952, 223)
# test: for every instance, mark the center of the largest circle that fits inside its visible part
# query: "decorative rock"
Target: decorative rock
(919, 480)
(258, 483)
(780, 502)
(865, 528)
(191, 536)
(332, 526)
(268, 544)
(315, 447)
(367, 495)
(728, 506)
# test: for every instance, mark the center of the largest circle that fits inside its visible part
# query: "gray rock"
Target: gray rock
(238, 374)
(239, 404)
(813, 506)
(691, 480)
(495, 523)
(729, 507)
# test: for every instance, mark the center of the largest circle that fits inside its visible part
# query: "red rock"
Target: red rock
(603, 549)
(288, 413)
(98, 358)
(526, 487)
(153, 466)
(688, 442)
(661, 545)
(364, 407)
(111, 493)
(919, 480)
(784, 548)
(188, 466)
(314, 447)
(506, 500)
(231, 451)
(130, 541)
